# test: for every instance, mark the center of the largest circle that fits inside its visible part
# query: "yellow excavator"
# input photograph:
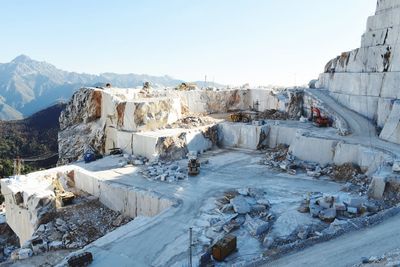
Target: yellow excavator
(193, 166)
(243, 116)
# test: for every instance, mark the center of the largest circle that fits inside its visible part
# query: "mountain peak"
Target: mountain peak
(21, 59)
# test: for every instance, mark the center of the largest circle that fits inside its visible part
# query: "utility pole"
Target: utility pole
(190, 245)
(205, 81)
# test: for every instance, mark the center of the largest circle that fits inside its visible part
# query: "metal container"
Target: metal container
(224, 247)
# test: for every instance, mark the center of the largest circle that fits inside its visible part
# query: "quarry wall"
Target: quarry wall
(102, 119)
(303, 146)
(367, 78)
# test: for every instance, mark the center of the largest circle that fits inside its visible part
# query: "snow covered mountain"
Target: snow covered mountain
(27, 85)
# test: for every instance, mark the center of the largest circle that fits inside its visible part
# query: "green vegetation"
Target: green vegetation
(30, 138)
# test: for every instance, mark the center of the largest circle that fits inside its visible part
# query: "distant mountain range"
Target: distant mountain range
(27, 85)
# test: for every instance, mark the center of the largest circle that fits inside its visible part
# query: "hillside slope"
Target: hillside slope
(30, 138)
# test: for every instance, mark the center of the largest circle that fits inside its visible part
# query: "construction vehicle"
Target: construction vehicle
(187, 86)
(244, 116)
(116, 151)
(82, 259)
(89, 156)
(319, 120)
(63, 197)
(193, 166)
(224, 247)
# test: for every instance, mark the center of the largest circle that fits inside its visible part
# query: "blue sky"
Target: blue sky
(232, 41)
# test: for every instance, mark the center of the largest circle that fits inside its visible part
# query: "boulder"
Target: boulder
(355, 202)
(24, 253)
(243, 191)
(256, 226)
(396, 166)
(352, 210)
(137, 162)
(377, 187)
(240, 205)
(328, 215)
(304, 207)
(339, 206)
(314, 174)
(315, 209)
(258, 208)
(264, 201)
(55, 245)
(325, 202)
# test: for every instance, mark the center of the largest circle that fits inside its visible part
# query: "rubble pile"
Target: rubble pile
(243, 210)
(8, 241)
(392, 193)
(73, 227)
(389, 259)
(273, 114)
(164, 171)
(355, 180)
(190, 122)
(132, 160)
(345, 172)
(329, 207)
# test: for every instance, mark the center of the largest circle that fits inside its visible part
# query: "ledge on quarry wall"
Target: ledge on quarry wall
(28, 203)
(131, 202)
(166, 144)
(302, 145)
(30, 200)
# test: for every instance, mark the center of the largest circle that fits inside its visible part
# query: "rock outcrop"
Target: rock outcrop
(366, 79)
(80, 126)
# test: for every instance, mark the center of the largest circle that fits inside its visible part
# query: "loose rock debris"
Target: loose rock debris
(190, 122)
(355, 180)
(330, 207)
(243, 211)
(8, 241)
(389, 259)
(165, 172)
(72, 227)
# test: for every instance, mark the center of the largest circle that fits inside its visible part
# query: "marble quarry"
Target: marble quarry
(275, 177)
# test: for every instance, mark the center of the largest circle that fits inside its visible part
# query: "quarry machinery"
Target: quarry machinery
(224, 247)
(80, 260)
(193, 166)
(318, 119)
(244, 116)
(186, 86)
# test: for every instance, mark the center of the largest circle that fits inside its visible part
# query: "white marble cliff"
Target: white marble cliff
(367, 79)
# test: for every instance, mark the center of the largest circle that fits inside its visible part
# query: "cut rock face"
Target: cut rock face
(366, 79)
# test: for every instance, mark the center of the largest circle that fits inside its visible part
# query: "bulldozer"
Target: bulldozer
(193, 166)
(318, 119)
(63, 197)
(243, 116)
(186, 86)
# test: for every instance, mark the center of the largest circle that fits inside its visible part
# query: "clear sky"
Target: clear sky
(233, 41)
